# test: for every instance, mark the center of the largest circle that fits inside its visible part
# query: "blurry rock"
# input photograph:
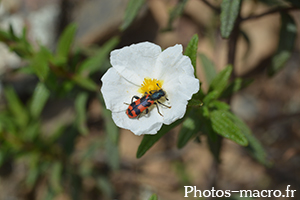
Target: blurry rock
(34, 5)
(245, 106)
(160, 12)
(199, 12)
(9, 6)
(10, 59)
(40, 23)
(43, 24)
(98, 19)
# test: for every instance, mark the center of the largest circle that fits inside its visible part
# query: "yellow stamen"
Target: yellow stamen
(150, 85)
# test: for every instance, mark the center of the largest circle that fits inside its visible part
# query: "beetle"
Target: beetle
(142, 104)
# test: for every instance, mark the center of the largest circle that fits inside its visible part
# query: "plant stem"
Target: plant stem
(216, 9)
(272, 11)
(232, 44)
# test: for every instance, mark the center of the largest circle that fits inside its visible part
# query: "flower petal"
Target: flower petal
(172, 61)
(146, 124)
(116, 91)
(136, 62)
(179, 91)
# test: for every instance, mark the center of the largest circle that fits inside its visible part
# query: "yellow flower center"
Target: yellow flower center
(150, 85)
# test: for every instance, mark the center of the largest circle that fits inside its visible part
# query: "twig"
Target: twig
(216, 9)
(258, 69)
(232, 44)
(272, 11)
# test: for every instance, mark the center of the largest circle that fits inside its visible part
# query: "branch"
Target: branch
(259, 69)
(216, 9)
(272, 11)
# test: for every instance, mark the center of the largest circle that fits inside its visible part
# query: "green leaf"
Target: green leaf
(55, 176)
(32, 177)
(205, 111)
(24, 35)
(39, 63)
(94, 63)
(248, 42)
(189, 129)
(65, 41)
(213, 139)
(21, 49)
(112, 149)
(80, 107)
(219, 105)
(229, 12)
(176, 12)
(105, 186)
(39, 99)
(65, 88)
(289, 30)
(235, 86)
(213, 95)
(4, 36)
(195, 102)
(26, 43)
(112, 138)
(31, 131)
(49, 194)
(77, 186)
(67, 140)
(12, 33)
(25, 70)
(85, 82)
(2, 158)
(111, 129)
(278, 62)
(209, 68)
(133, 7)
(224, 126)
(153, 197)
(34, 169)
(288, 33)
(182, 172)
(254, 147)
(16, 107)
(7, 123)
(149, 140)
(215, 143)
(220, 82)
(191, 50)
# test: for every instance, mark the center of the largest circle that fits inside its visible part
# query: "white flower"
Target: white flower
(142, 68)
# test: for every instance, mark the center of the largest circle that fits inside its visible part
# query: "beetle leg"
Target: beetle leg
(158, 109)
(164, 104)
(134, 97)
